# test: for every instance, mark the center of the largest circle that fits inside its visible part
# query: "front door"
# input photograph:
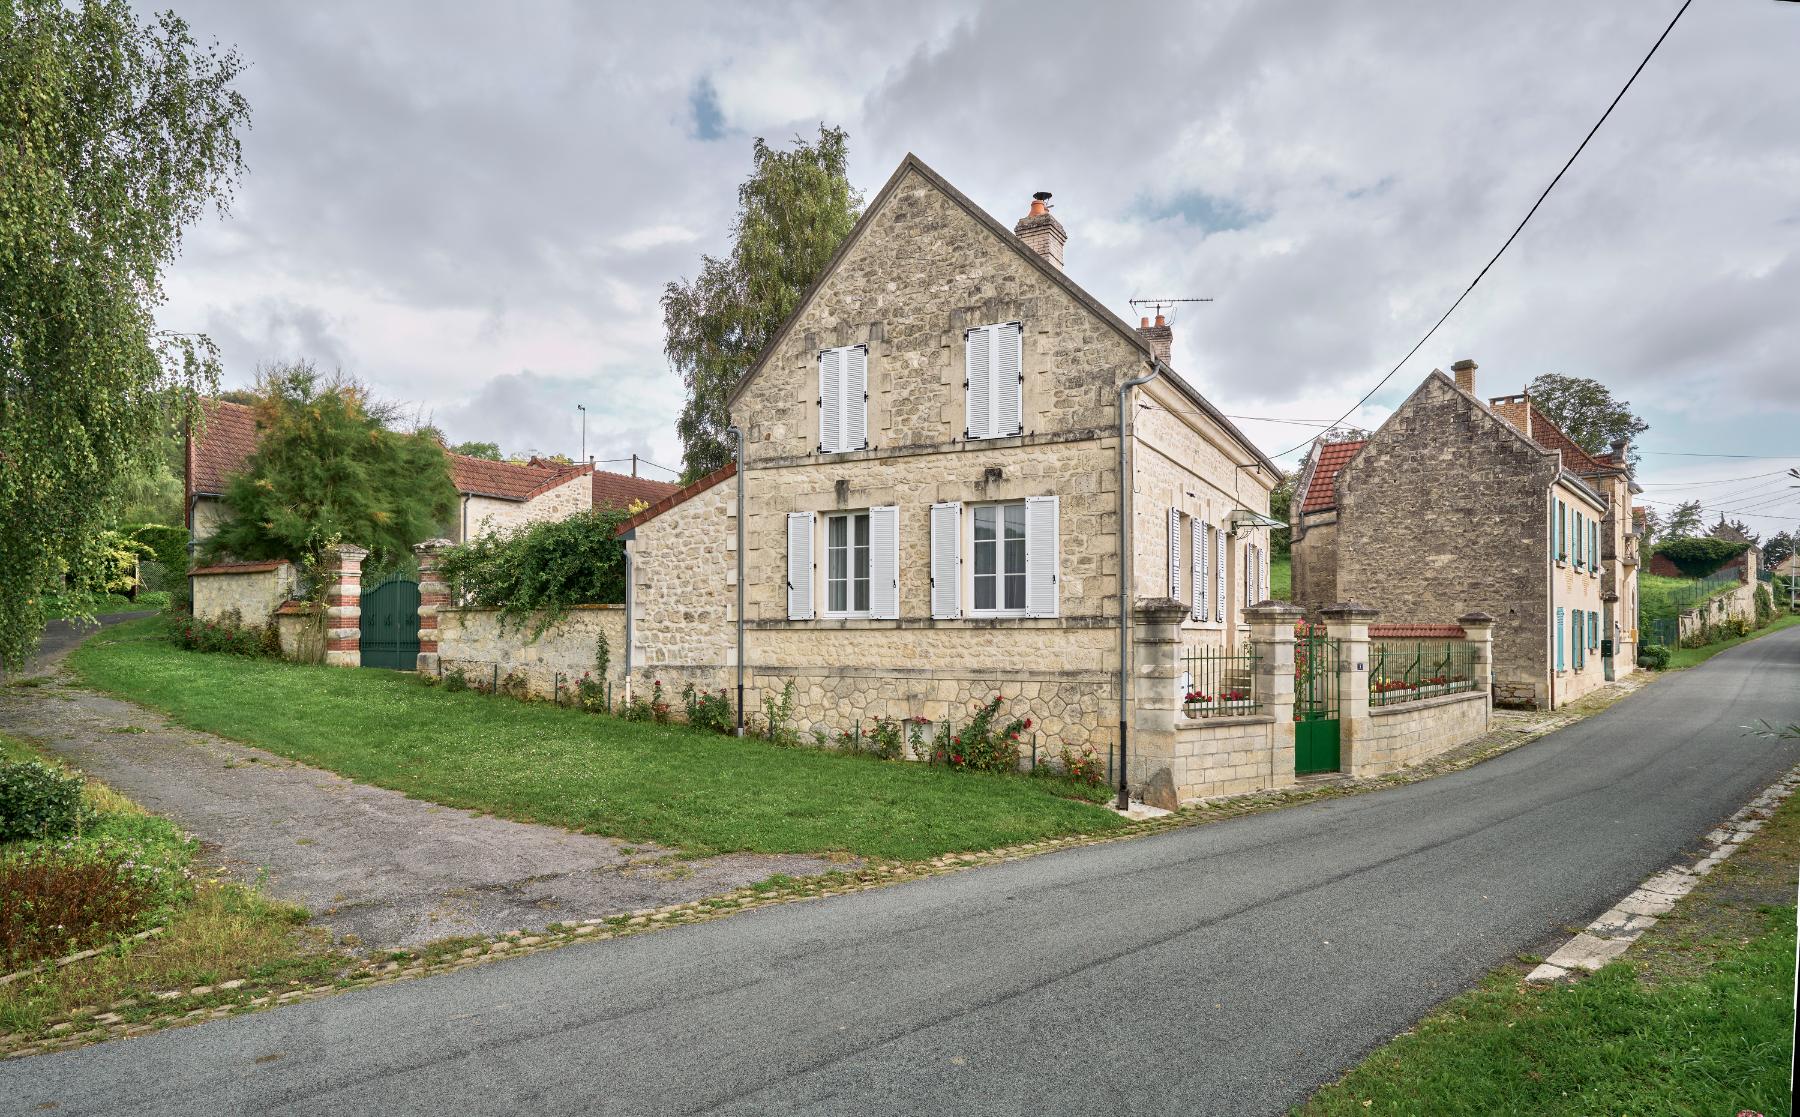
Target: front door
(390, 625)
(1315, 702)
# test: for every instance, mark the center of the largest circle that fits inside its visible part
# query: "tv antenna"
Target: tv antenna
(1157, 306)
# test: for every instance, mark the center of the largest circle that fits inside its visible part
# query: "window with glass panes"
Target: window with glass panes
(847, 563)
(999, 538)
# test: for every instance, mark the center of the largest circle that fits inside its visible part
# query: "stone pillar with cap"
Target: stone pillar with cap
(342, 567)
(434, 595)
(1151, 770)
(1347, 625)
(1478, 633)
(1272, 639)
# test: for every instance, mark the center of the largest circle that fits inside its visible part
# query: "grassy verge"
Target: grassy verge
(1688, 657)
(1695, 1019)
(60, 607)
(534, 762)
(1281, 578)
(217, 932)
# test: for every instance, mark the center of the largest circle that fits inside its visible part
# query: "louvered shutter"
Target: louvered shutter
(1197, 545)
(1008, 398)
(831, 400)
(856, 399)
(884, 563)
(800, 566)
(1219, 571)
(1262, 583)
(1175, 554)
(1559, 639)
(946, 560)
(1594, 549)
(977, 346)
(1040, 556)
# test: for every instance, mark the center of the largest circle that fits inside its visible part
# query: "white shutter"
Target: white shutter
(1040, 556)
(856, 398)
(1203, 585)
(884, 563)
(946, 560)
(1197, 545)
(979, 384)
(1007, 400)
(1175, 554)
(1268, 591)
(800, 566)
(1219, 570)
(831, 400)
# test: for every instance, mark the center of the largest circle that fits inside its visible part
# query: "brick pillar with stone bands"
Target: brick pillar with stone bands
(342, 565)
(434, 594)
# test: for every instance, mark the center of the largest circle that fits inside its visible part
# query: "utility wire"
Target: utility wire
(1720, 481)
(1515, 233)
(1685, 454)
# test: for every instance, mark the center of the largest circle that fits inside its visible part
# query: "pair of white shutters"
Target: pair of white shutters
(844, 400)
(1042, 526)
(993, 391)
(1207, 546)
(884, 564)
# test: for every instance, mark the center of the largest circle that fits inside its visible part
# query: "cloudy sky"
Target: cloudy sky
(475, 209)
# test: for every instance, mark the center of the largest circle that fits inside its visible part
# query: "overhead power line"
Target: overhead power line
(1515, 233)
(1720, 481)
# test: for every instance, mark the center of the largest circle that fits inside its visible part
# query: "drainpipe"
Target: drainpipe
(464, 538)
(1125, 561)
(737, 438)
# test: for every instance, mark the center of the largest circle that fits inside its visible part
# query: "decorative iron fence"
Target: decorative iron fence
(1219, 683)
(1408, 670)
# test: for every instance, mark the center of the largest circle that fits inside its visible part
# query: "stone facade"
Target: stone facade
(483, 515)
(486, 649)
(254, 590)
(923, 267)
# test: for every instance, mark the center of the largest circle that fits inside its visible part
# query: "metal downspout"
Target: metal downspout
(737, 437)
(1125, 564)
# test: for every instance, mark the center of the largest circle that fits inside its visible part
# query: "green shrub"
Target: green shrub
(981, 745)
(887, 740)
(541, 571)
(1653, 657)
(653, 707)
(707, 710)
(1765, 606)
(168, 547)
(778, 716)
(227, 634)
(1698, 556)
(38, 801)
(455, 680)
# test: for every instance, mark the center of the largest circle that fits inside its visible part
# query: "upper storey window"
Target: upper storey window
(843, 399)
(994, 380)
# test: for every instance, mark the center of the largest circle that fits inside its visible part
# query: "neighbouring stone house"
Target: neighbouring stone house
(932, 489)
(492, 496)
(1455, 504)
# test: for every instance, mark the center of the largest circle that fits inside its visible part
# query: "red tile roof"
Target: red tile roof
(1417, 631)
(1321, 490)
(221, 444)
(1541, 429)
(509, 480)
(679, 496)
(621, 490)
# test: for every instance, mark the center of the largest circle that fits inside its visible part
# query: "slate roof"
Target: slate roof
(1321, 482)
(621, 490)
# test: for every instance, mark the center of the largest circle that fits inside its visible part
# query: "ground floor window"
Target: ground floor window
(999, 557)
(847, 563)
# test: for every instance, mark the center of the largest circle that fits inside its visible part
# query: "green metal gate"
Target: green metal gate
(1315, 702)
(390, 625)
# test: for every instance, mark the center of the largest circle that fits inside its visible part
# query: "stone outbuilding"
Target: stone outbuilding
(1456, 503)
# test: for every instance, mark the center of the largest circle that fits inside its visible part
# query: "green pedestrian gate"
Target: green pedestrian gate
(390, 625)
(1315, 702)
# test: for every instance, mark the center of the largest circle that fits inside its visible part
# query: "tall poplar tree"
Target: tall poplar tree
(115, 136)
(793, 212)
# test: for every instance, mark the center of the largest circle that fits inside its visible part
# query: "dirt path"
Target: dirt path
(371, 863)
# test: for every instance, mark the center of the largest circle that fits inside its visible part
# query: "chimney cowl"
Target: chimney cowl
(1041, 231)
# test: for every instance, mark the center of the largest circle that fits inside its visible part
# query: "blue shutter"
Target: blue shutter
(1559, 638)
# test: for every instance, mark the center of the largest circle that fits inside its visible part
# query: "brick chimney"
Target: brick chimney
(1160, 337)
(1041, 232)
(1465, 374)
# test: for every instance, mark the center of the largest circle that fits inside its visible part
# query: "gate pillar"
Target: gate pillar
(1348, 623)
(1272, 639)
(342, 568)
(433, 596)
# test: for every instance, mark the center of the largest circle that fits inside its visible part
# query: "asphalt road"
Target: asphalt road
(1223, 969)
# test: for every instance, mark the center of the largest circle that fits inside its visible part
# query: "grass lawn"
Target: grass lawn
(222, 932)
(1695, 1019)
(1657, 594)
(1688, 657)
(1281, 577)
(534, 762)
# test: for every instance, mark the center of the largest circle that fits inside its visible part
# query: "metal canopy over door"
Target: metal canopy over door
(1315, 702)
(390, 625)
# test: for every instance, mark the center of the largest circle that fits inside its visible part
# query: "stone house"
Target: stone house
(1457, 504)
(494, 496)
(932, 490)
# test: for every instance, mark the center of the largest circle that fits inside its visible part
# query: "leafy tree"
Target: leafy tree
(488, 451)
(117, 135)
(1281, 500)
(793, 212)
(328, 470)
(1653, 526)
(1587, 412)
(1777, 549)
(539, 572)
(1734, 529)
(1686, 522)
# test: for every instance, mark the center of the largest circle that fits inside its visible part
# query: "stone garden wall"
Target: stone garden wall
(486, 649)
(254, 589)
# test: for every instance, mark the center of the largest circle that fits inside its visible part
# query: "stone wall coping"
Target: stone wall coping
(1475, 616)
(1348, 610)
(1198, 724)
(239, 567)
(1426, 703)
(442, 609)
(1267, 612)
(432, 545)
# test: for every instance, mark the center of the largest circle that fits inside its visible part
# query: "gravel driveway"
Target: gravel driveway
(367, 862)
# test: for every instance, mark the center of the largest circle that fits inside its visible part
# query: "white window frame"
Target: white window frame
(1001, 573)
(849, 520)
